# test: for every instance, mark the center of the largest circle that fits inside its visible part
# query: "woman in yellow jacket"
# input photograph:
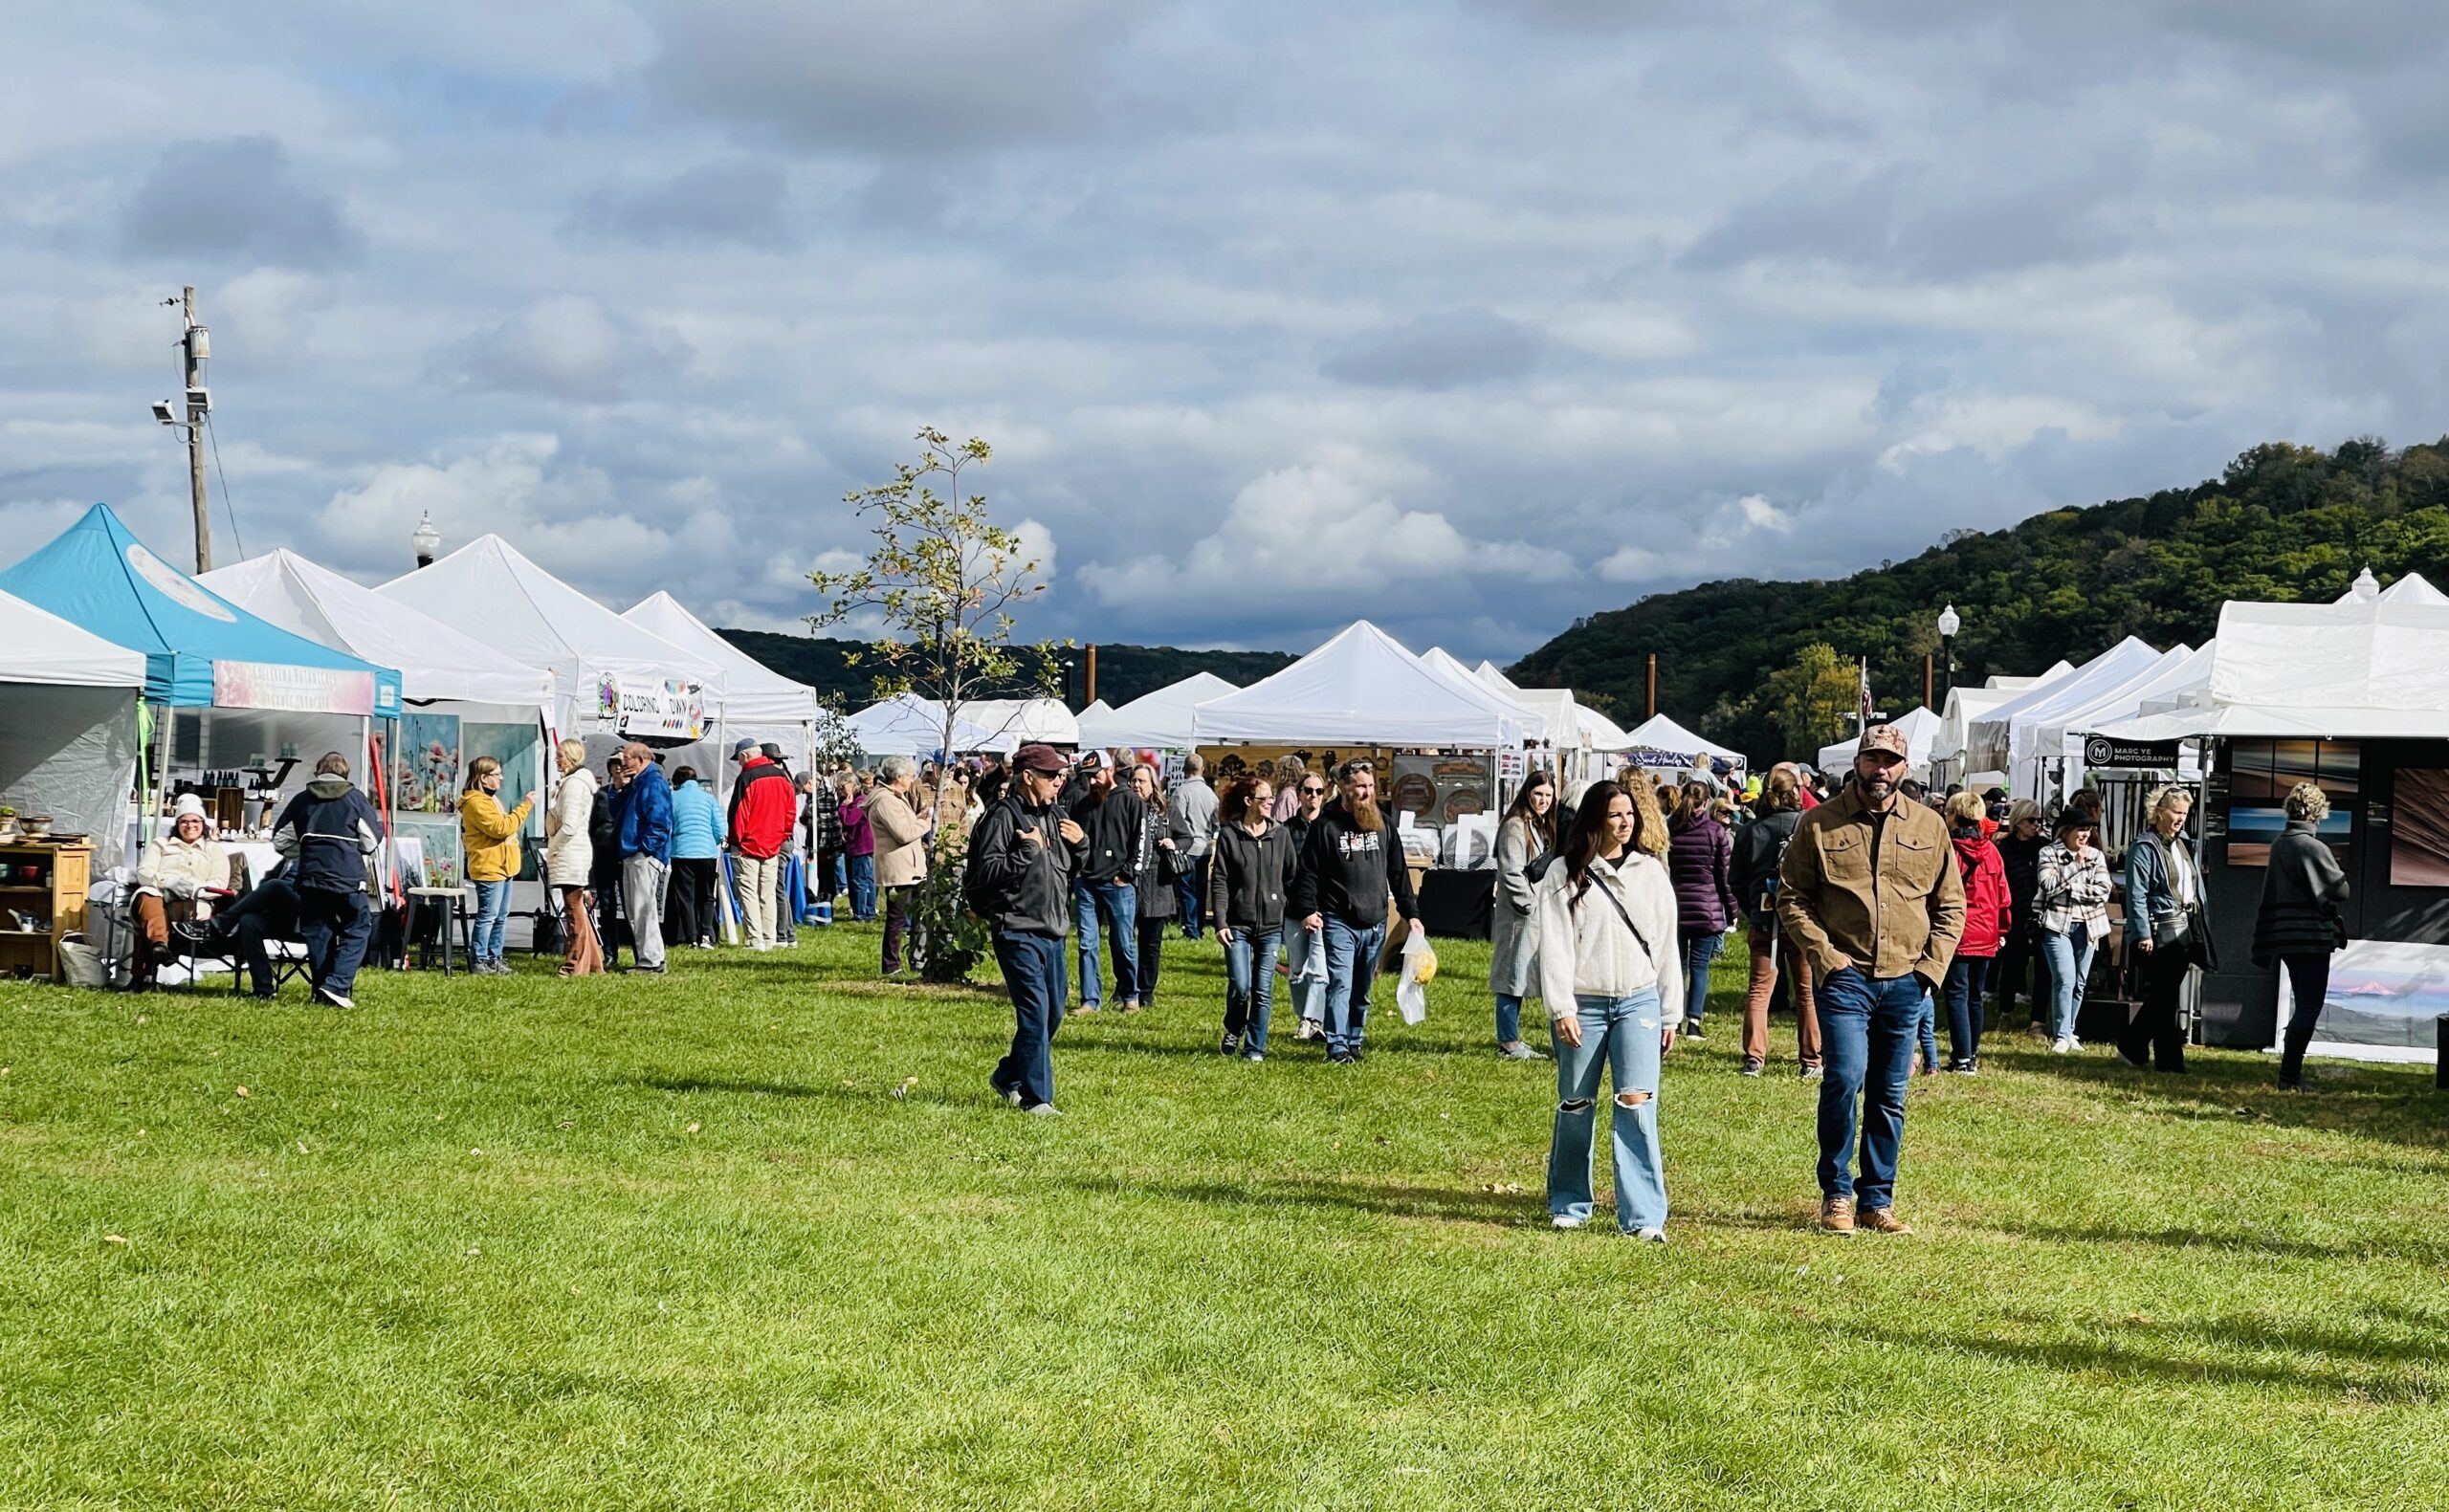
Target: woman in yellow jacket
(489, 838)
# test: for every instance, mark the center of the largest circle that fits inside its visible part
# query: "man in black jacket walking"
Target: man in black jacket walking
(1110, 817)
(1349, 864)
(1022, 857)
(329, 833)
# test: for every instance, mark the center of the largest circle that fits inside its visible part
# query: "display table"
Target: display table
(451, 903)
(1458, 905)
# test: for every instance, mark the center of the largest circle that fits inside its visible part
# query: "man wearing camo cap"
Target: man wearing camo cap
(1871, 900)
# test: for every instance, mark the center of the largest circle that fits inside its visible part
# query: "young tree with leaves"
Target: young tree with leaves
(944, 579)
(1811, 698)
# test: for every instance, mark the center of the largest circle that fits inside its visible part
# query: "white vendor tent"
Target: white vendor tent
(1029, 721)
(610, 677)
(1659, 741)
(1539, 725)
(68, 724)
(759, 704)
(1363, 687)
(909, 725)
(2373, 669)
(1160, 720)
(2413, 588)
(2002, 740)
(1921, 729)
(435, 660)
(1569, 724)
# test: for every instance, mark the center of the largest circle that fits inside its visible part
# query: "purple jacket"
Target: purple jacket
(1698, 861)
(858, 836)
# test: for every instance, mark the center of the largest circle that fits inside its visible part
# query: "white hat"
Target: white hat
(190, 804)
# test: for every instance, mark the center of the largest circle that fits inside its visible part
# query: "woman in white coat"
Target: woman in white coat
(1606, 909)
(570, 856)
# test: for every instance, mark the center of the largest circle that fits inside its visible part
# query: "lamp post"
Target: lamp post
(426, 539)
(1948, 623)
(1067, 682)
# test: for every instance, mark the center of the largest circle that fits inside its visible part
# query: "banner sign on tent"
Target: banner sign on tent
(294, 690)
(2103, 754)
(669, 708)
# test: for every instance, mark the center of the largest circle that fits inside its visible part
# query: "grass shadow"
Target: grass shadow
(1317, 1193)
(726, 1086)
(2178, 1353)
(2194, 1238)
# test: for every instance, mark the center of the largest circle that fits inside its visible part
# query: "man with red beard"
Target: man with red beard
(1349, 865)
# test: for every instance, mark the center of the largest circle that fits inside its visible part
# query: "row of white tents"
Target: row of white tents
(2366, 661)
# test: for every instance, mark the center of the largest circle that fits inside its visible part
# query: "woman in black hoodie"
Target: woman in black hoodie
(2019, 845)
(2298, 926)
(1252, 878)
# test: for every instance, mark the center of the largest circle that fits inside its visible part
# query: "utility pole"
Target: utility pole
(1089, 695)
(195, 346)
(1650, 698)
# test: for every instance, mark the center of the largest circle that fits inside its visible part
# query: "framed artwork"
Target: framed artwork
(2261, 774)
(2419, 829)
(430, 763)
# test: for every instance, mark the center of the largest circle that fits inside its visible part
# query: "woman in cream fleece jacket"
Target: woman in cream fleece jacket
(1613, 1002)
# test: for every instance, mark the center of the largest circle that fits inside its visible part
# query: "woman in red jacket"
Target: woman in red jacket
(1988, 915)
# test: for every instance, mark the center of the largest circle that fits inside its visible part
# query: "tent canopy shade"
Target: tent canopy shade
(497, 596)
(436, 661)
(909, 725)
(758, 703)
(1161, 720)
(1361, 688)
(39, 647)
(1990, 743)
(200, 649)
(2359, 669)
(1921, 728)
(1041, 721)
(1662, 737)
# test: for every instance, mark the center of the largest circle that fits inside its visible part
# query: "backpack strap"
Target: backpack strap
(1586, 884)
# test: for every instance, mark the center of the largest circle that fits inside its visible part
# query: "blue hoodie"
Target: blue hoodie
(646, 815)
(696, 822)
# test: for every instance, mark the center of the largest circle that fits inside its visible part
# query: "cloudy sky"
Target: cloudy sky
(1469, 315)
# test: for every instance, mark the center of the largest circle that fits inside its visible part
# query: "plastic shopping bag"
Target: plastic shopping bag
(1411, 991)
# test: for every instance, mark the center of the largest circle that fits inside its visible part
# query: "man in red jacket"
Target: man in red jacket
(764, 807)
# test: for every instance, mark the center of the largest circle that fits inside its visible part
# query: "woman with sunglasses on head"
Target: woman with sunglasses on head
(1607, 913)
(1524, 844)
(1310, 795)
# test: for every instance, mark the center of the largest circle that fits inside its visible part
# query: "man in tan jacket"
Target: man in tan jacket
(1869, 896)
(901, 855)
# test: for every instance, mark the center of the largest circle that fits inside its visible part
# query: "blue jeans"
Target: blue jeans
(1926, 1032)
(2070, 966)
(1866, 1033)
(863, 889)
(334, 926)
(1698, 952)
(1033, 973)
(1620, 1036)
(837, 874)
(1508, 1018)
(1296, 955)
(493, 917)
(1120, 908)
(1351, 967)
(1968, 977)
(1190, 891)
(1249, 986)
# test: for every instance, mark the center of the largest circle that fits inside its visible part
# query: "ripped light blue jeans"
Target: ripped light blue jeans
(1618, 1035)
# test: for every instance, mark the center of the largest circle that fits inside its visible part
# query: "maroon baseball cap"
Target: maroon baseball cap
(1041, 758)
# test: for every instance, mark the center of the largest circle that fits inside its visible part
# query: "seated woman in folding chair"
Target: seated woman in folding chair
(181, 876)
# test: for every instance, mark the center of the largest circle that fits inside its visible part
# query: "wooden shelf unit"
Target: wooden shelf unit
(58, 898)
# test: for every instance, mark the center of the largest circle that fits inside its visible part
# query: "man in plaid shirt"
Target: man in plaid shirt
(823, 826)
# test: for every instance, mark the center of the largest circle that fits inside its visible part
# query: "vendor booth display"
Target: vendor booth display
(2007, 737)
(2352, 696)
(204, 657)
(69, 737)
(1659, 743)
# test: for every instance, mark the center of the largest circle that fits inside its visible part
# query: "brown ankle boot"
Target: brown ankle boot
(1884, 1220)
(1837, 1215)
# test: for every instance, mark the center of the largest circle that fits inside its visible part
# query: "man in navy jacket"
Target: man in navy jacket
(328, 832)
(645, 853)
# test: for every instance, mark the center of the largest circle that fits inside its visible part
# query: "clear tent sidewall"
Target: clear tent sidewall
(70, 753)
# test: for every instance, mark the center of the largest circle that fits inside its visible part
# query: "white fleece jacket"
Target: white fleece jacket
(1605, 960)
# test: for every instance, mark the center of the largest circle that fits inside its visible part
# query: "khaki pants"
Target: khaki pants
(1765, 969)
(757, 876)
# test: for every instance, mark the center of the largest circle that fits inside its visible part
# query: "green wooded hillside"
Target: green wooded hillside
(2282, 522)
(1124, 672)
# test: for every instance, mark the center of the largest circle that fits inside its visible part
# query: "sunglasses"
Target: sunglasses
(1353, 768)
(1310, 790)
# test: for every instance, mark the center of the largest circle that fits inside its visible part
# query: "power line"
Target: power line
(227, 507)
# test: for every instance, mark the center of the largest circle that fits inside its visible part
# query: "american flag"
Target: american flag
(1862, 692)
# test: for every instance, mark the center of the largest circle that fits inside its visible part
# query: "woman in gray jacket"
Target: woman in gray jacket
(1526, 836)
(2297, 927)
(2164, 930)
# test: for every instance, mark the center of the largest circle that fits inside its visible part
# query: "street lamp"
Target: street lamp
(426, 539)
(1948, 623)
(1067, 682)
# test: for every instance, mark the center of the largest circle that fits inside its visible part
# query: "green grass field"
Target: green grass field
(678, 1243)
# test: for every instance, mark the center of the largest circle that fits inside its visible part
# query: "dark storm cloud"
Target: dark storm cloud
(235, 198)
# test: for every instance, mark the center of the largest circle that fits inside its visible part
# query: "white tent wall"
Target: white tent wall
(1159, 721)
(70, 753)
(1921, 729)
(1363, 687)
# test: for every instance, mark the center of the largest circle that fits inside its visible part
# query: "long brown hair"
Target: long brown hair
(1582, 842)
(1691, 805)
(1544, 826)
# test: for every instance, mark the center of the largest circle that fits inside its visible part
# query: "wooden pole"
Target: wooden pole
(1925, 679)
(191, 363)
(1650, 700)
(1089, 695)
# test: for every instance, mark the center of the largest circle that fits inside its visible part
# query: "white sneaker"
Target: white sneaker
(1566, 1221)
(2063, 1044)
(1650, 1235)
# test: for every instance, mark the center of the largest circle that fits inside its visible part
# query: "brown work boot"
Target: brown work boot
(1837, 1215)
(1884, 1220)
